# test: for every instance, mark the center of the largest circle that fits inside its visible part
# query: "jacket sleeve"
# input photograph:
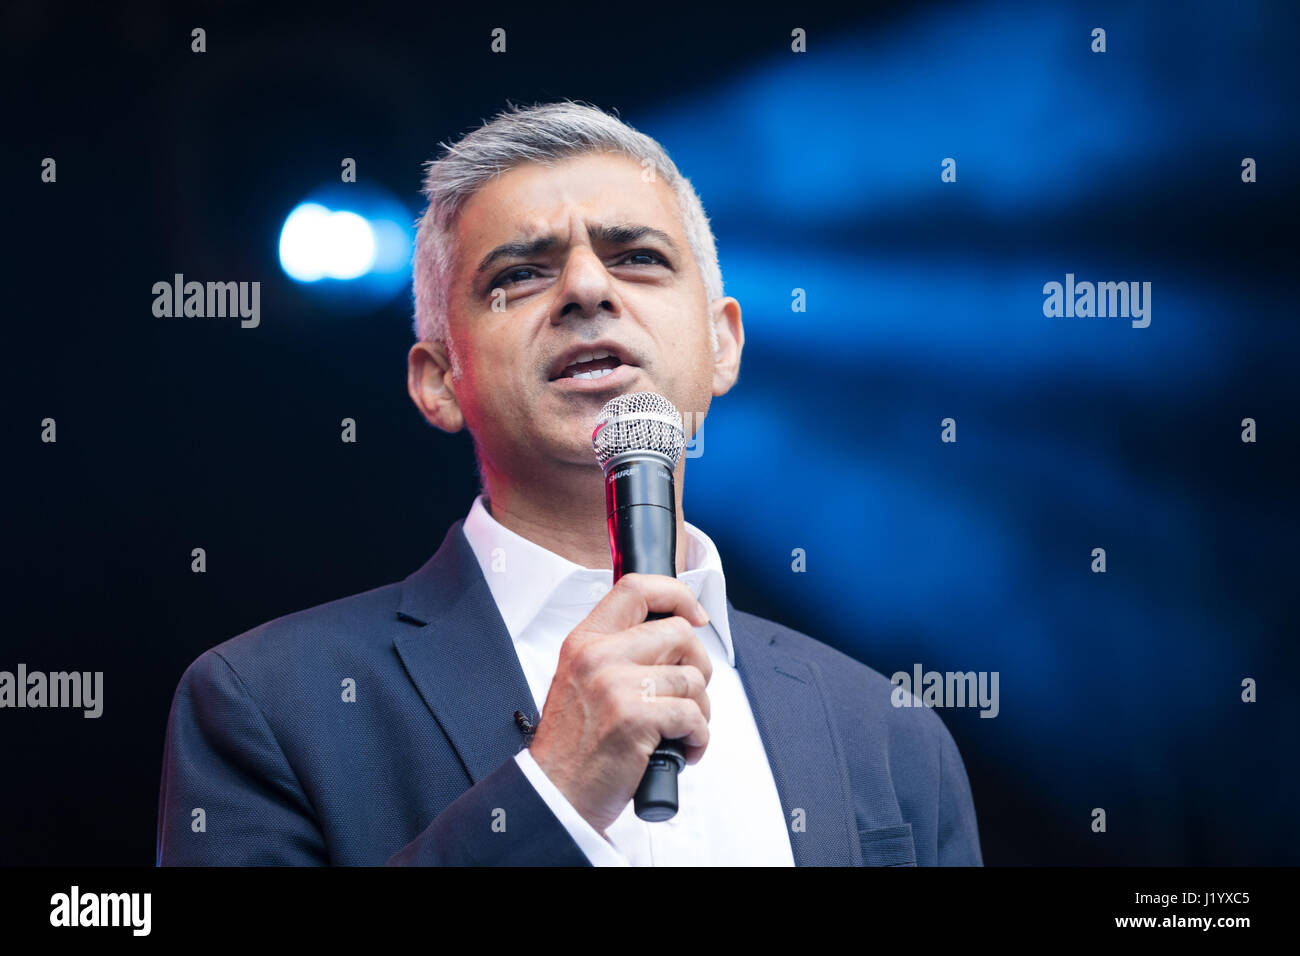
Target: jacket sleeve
(959, 839)
(597, 848)
(230, 797)
(501, 820)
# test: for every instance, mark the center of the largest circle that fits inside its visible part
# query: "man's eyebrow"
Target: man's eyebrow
(518, 249)
(618, 234)
(626, 233)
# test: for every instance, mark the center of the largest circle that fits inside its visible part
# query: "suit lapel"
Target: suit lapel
(807, 760)
(464, 665)
(462, 660)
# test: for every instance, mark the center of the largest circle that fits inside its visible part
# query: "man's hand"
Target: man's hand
(623, 683)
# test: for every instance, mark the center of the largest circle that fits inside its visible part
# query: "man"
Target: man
(501, 703)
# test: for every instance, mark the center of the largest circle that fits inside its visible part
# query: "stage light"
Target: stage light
(318, 243)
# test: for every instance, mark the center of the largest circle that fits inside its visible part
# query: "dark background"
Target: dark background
(819, 171)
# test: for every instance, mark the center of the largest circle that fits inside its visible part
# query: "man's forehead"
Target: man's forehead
(531, 201)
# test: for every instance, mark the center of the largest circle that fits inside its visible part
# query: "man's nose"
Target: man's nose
(586, 288)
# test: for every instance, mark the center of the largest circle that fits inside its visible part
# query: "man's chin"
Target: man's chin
(574, 415)
(563, 439)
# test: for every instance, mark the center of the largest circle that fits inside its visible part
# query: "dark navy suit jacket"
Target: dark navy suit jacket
(266, 763)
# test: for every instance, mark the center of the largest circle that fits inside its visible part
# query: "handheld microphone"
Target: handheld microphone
(638, 439)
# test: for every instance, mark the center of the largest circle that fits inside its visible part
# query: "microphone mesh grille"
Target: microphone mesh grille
(638, 421)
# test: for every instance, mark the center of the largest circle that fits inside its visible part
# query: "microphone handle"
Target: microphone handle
(643, 539)
(655, 799)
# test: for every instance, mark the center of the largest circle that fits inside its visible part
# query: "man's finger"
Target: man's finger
(635, 596)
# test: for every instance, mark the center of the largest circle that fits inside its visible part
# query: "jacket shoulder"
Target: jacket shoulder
(336, 631)
(863, 701)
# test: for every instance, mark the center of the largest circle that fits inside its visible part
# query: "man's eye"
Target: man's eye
(657, 259)
(509, 276)
(524, 273)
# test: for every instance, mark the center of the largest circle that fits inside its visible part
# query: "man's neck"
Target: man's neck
(568, 518)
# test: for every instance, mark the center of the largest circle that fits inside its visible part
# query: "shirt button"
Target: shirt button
(597, 590)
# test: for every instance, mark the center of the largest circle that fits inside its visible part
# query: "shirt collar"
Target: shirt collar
(524, 577)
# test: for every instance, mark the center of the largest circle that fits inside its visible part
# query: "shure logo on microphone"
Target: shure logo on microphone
(624, 472)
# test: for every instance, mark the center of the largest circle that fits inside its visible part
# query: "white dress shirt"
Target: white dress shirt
(730, 813)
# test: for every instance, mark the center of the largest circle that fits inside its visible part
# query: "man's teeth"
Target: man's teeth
(587, 358)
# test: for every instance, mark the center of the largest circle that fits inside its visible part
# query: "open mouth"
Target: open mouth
(595, 364)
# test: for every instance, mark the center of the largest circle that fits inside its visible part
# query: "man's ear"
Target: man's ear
(725, 315)
(429, 383)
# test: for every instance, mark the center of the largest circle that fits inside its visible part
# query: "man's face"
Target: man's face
(581, 257)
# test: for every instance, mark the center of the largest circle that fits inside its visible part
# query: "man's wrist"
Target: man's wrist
(595, 844)
(556, 780)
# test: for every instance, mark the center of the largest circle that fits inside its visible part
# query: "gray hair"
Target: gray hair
(543, 133)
